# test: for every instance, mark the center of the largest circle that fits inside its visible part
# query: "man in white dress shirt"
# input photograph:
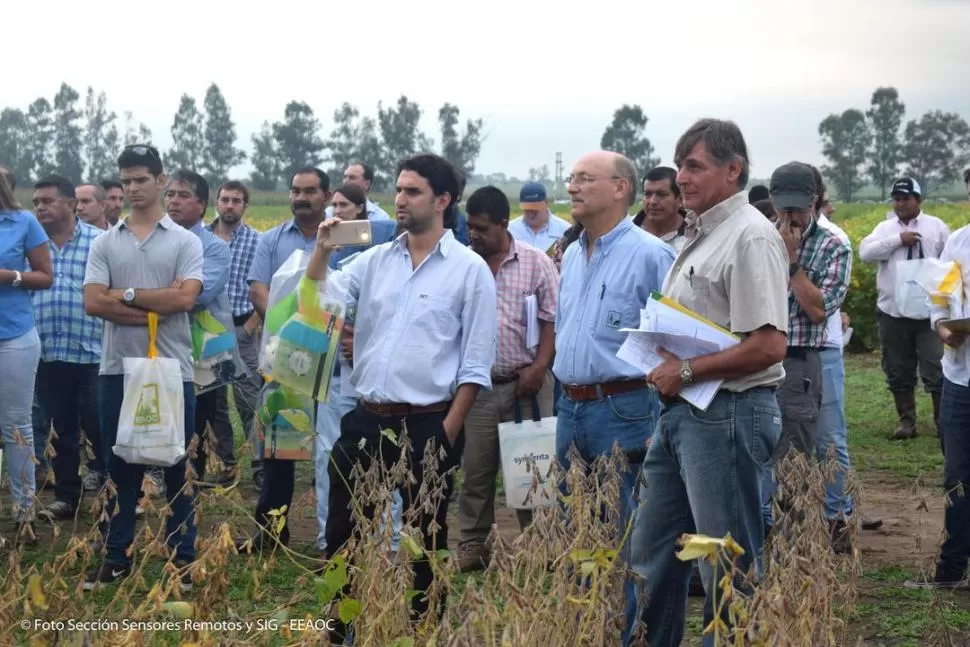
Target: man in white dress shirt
(906, 342)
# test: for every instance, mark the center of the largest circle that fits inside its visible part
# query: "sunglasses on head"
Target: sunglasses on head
(142, 150)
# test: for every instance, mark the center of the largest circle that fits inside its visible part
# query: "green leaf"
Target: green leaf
(442, 554)
(348, 609)
(179, 607)
(587, 567)
(390, 435)
(281, 616)
(409, 542)
(410, 595)
(403, 642)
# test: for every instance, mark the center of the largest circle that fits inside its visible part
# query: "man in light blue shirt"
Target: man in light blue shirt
(186, 198)
(362, 175)
(424, 344)
(537, 226)
(606, 280)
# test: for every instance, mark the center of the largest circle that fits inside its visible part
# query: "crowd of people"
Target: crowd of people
(436, 342)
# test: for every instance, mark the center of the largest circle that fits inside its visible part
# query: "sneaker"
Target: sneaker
(940, 581)
(59, 510)
(871, 523)
(473, 557)
(185, 578)
(92, 481)
(105, 574)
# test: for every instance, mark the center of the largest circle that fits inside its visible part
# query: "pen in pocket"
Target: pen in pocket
(602, 291)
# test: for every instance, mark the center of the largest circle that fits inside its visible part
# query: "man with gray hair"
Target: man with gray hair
(606, 280)
(92, 205)
(704, 467)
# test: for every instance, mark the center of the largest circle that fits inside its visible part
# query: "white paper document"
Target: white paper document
(846, 336)
(531, 322)
(687, 337)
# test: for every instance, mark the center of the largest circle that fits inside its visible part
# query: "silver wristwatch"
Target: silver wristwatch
(129, 296)
(17, 279)
(686, 373)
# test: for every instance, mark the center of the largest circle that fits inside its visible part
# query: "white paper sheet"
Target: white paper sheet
(662, 326)
(846, 336)
(531, 322)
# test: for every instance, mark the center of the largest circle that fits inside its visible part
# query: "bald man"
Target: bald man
(92, 205)
(607, 277)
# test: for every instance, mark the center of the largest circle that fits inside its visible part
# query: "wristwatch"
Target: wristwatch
(17, 279)
(686, 373)
(793, 269)
(129, 296)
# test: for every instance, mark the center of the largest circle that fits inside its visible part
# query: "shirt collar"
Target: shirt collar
(197, 228)
(606, 240)
(710, 219)
(9, 214)
(165, 223)
(911, 223)
(443, 246)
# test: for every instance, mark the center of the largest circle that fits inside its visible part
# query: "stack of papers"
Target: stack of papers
(666, 324)
(531, 322)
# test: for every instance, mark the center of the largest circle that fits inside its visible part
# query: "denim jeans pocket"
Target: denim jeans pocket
(766, 430)
(632, 407)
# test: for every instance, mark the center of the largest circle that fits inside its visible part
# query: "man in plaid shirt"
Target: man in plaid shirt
(818, 281)
(70, 343)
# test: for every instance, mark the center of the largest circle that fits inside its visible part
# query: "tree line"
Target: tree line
(873, 146)
(82, 142)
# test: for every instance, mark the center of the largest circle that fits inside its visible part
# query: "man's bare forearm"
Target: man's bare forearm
(164, 301)
(547, 345)
(462, 402)
(117, 312)
(808, 296)
(756, 353)
(259, 295)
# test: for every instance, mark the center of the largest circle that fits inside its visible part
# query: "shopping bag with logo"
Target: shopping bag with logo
(285, 423)
(528, 448)
(281, 303)
(151, 428)
(910, 297)
(215, 352)
(302, 351)
(943, 282)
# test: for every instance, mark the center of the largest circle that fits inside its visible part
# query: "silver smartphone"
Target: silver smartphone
(351, 232)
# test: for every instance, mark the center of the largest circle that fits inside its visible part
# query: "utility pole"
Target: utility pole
(558, 192)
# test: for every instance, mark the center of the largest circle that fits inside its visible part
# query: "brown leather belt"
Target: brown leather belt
(396, 410)
(585, 392)
(504, 379)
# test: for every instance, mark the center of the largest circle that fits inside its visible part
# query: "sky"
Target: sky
(545, 76)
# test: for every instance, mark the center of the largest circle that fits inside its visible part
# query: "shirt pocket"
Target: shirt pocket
(433, 321)
(615, 310)
(700, 288)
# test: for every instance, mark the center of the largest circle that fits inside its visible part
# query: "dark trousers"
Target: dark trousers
(206, 411)
(955, 428)
(361, 441)
(277, 491)
(119, 531)
(67, 394)
(908, 345)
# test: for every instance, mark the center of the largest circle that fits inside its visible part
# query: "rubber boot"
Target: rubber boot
(906, 408)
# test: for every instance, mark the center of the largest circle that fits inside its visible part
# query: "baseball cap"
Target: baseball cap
(792, 186)
(532, 196)
(907, 185)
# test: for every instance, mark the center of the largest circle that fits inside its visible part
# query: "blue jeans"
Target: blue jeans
(955, 429)
(119, 531)
(702, 474)
(18, 358)
(832, 432)
(593, 426)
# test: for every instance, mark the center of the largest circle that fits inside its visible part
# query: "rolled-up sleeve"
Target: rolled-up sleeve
(547, 289)
(478, 327)
(191, 260)
(96, 270)
(260, 269)
(758, 287)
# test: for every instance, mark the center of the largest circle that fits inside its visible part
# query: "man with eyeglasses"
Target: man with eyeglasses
(606, 280)
(819, 273)
(131, 271)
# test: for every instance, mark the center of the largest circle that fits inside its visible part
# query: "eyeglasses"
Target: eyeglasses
(143, 150)
(582, 179)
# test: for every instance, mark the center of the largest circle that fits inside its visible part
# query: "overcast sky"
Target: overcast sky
(546, 76)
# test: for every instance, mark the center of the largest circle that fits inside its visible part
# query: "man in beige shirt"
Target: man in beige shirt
(703, 468)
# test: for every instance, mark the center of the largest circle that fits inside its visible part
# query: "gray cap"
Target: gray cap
(792, 186)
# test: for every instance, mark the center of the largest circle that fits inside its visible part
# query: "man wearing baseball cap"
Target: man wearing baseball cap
(537, 226)
(908, 342)
(819, 274)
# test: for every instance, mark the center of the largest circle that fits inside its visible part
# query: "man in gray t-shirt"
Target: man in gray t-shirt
(145, 263)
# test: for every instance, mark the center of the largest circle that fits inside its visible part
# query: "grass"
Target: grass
(270, 591)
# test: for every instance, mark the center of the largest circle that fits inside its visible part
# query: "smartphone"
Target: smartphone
(351, 232)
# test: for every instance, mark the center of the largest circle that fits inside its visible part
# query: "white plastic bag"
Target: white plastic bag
(912, 299)
(528, 448)
(151, 428)
(282, 288)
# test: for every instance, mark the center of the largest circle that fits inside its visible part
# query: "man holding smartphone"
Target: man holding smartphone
(818, 271)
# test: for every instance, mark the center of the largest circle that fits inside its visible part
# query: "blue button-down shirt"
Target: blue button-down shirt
(542, 239)
(277, 245)
(67, 333)
(601, 295)
(420, 333)
(243, 248)
(19, 233)
(216, 259)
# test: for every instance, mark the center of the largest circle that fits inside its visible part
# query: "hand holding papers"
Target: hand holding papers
(666, 324)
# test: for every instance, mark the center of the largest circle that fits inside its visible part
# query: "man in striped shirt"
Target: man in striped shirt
(70, 342)
(521, 376)
(819, 267)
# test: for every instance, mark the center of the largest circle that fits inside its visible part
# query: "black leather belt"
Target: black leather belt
(800, 352)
